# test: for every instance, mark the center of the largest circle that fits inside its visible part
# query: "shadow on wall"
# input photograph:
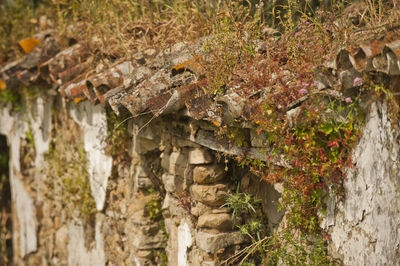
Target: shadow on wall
(6, 252)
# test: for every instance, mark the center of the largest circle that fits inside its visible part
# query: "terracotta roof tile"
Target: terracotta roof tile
(165, 81)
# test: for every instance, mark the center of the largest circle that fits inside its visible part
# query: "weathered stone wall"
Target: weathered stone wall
(167, 173)
(163, 205)
(365, 226)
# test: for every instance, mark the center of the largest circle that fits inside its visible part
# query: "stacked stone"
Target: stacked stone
(196, 188)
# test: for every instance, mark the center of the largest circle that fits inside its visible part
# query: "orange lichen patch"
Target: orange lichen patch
(3, 85)
(28, 44)
(216, 123)
(79, 99)
(192, 64)
(398, 52)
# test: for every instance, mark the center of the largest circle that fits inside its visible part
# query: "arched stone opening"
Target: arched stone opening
(6, 251)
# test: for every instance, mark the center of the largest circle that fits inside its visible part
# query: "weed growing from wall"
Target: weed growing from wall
(11, 97)
(308, 150)
(248, 210)
(233, 42)
(155, 212)
(21, 97)
(118, 137)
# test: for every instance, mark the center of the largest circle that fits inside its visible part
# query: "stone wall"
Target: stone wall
(161, 204)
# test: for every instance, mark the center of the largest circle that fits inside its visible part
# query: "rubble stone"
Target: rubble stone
(208, 174)
(176, 163)
(169, 182)
(220, 221)
(200, 156)
(258, 139)
(213, 195)
(200, 209)
(212, 242)
(142, 241)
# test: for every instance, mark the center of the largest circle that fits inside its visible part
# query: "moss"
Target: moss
(11, 97)
(22, 97)
(67, 177)
(155, 212)
(118, 137)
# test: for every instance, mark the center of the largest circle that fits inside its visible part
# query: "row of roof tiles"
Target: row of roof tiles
(166, 81)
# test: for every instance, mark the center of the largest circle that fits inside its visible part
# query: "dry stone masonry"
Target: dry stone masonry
(158, 197)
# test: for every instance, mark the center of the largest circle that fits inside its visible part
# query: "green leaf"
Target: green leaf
(326, 128)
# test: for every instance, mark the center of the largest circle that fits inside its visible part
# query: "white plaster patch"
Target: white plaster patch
(78, 254)
(6, 121)
(184, 242)
(93, 122)
(12, 126)
(26, 218)
(40, 123)
(365, 230)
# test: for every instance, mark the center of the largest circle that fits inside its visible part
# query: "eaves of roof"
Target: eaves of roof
(166, 81)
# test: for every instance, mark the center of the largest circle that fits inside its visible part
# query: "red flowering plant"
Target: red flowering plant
(310, 131)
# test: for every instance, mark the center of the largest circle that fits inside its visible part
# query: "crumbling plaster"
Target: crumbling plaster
(79, 254)
(93, 122)
(14, 126)
(365, 227)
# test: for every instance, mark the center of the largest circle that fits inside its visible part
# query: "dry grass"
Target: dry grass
(125, 27)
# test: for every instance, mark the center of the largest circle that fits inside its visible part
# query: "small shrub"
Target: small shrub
(244, 206)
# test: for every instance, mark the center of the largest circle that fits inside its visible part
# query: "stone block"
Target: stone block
(219, 221)
(221, 210)
(176, 163)
(186, 143)
(142, 179)
(200, 156)
(169, 182)
(200, 209)
(173, 207)
(208, 174)
(143, 146)
(212, 242)
(214, 195)
(144, 254)
(144, 242)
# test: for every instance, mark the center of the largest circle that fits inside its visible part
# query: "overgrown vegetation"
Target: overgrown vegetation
(20, 19)
(21, 96)
(248, 218)
(125, 27)
(315, 141)
(155, 212)
(67, 177)
(12, 97)
(308, 150)
(118, 138)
